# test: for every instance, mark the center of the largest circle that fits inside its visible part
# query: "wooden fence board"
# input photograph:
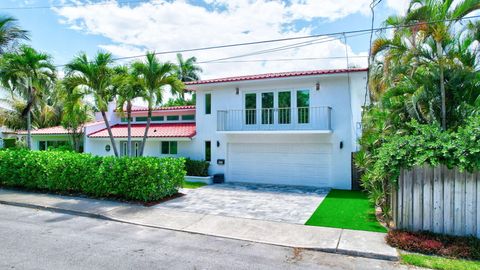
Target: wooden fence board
(439, 200)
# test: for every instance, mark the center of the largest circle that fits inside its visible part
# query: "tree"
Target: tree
(94, 77)
(128, 87)
(444, 15)
(187, 70)
(76, 113)
(10, 33)
(28, 73)
(155, 76)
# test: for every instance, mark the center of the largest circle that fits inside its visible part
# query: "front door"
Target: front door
(135, 148)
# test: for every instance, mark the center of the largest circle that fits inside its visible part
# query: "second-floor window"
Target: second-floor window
(208, 103)
(251, 109)
(303, 104)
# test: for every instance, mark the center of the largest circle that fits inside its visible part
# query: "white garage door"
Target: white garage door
(305, 164)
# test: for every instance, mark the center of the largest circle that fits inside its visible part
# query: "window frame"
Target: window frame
(208, 154)
(208, 103)
(170, 145)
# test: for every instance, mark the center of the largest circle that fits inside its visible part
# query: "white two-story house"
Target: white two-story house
(292, 128)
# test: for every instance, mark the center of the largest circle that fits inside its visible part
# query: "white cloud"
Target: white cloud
(163, 26)
(400, 6)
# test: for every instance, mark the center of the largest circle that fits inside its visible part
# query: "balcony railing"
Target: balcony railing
(304, 118)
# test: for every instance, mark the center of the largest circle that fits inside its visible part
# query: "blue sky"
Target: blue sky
(131, 29)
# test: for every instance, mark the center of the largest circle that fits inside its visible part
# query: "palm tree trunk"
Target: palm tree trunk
(149, 117)
(442, 85)
(129, 129)
(112, 140)
(29, 116)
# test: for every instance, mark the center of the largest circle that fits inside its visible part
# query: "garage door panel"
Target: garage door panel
(286, 163)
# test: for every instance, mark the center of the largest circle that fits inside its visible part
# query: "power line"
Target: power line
(81, 5)
(293, 38)
(283, 59)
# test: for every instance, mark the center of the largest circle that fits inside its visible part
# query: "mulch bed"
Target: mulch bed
(111, 198)
(435, 244)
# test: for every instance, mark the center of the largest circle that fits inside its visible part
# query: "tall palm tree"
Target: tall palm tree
(128, 87)
(94, 77)
(10, 33)
(28, 73)
(444, 15)
(156, 76)
(187, 70)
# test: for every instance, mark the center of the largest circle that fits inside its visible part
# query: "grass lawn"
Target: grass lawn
(439, 262)
(186, 184)
(346, 209)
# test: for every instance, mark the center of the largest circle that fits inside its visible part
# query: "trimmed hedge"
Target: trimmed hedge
(196, 167)
(140, 179)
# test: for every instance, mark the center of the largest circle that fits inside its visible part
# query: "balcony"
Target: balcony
(289, 120)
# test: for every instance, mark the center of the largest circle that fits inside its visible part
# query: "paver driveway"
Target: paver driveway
(289, 204)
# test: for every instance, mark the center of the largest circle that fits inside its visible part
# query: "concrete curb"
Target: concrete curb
(336, 250)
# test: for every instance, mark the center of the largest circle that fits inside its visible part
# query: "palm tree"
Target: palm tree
(27, 72)
(94, 77)
(128, 87)
(10, 33)
(155, 76)
(444, 15)
(187, 70)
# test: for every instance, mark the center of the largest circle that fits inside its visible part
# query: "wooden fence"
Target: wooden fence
(437, 200)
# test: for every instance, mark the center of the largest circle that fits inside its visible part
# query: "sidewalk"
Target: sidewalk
(349, 242)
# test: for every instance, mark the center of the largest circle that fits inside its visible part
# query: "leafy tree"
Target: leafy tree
(94, 77)
(156, 76)
(30, 74)
(128, 87)
(178, 102)
(10, 33)
(187, 70)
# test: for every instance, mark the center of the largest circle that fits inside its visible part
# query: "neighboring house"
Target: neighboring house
(294, 128)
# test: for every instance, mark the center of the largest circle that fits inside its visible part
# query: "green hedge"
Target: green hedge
(141, 178)
(196, 167)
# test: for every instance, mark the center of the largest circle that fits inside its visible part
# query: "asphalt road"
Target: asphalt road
(37, 239)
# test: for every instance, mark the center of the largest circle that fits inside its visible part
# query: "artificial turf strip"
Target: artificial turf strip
(346, 209)
(186, 184)
(439, 262)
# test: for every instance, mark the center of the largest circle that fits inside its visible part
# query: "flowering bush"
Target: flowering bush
(435, 244)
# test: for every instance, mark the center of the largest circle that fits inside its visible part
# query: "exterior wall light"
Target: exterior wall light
(107, 147)
(237, 90)
(317, 86)
(218, 143)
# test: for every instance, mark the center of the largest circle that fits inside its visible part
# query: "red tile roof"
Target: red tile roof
(172, 108)
(58, 130)
(276, 75)
(174, 130)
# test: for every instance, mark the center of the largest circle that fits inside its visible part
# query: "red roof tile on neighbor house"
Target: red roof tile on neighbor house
(276, 75)
(174, 130)
(58, 130)
(172, 108)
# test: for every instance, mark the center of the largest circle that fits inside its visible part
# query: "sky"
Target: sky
(64, 28)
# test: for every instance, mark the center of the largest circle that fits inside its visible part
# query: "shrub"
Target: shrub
(196, 167)
(435, 244)
(142, 179)
(9, 142)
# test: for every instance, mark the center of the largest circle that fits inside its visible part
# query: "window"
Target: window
(267, 108)
(173, 117)
(141, 119)
(125, 119)
(45, 145)
(157, 118)
(188, 117)
(208, 151)
(208, 103)
(303, 103)
(251, 109)
(169, 148)
(284, 107)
